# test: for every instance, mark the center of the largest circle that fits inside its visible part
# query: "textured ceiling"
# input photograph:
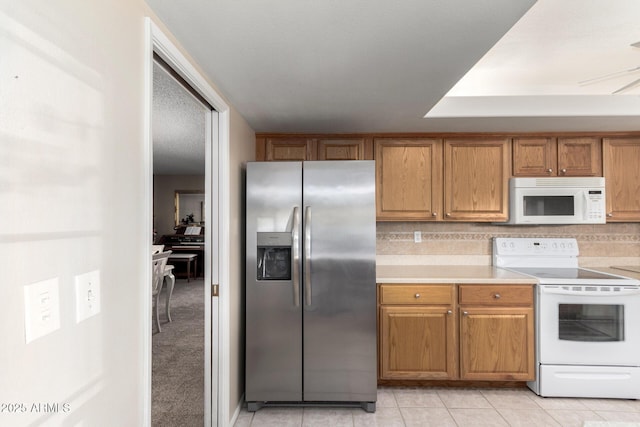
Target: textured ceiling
(178, 128)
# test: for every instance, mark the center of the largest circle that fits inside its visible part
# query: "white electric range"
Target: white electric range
(587, 322)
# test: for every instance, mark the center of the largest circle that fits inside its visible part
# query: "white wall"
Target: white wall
(164, 188)
(71, 186)
(72, 200)
(242, 149)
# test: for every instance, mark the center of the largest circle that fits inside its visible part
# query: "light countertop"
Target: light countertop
(448, 274)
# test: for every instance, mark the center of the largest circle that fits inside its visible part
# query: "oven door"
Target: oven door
(589, 325)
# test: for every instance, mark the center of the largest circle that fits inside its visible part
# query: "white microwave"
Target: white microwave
(557, 200)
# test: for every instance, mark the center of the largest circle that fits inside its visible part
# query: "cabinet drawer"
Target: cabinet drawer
(496, 295)
(416, 294)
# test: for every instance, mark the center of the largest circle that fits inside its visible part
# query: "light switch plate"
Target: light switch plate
(87, 295)
(41, 309)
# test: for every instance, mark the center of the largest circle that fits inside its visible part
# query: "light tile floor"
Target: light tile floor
(442, 407)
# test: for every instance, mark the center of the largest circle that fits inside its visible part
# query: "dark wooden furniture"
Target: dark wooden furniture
(181, 243)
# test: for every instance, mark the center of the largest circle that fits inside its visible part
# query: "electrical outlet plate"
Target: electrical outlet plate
(417, 236)
(41, 309)
(87, 295)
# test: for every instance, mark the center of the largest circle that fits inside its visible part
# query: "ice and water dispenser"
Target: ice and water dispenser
(274, 256)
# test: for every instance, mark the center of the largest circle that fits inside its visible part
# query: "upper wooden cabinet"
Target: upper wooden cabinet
(476, 179)
(410, 185)
(464, 177)
(563, 156)
(408, 179)
(287, 149)
(535, 156)
(301, 148)
(621, 158)
(344, 149)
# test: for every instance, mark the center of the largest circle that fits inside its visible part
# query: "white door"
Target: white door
(212, 280)
(217, 244)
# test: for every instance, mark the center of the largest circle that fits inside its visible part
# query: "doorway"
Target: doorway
(216, 213)
(179, 223)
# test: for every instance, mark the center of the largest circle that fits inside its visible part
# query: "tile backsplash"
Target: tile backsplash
(471, 243)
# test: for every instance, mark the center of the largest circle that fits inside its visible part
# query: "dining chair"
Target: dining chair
(159, 263)
(171, 281)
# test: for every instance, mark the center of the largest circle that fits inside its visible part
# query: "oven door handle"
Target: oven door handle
(559, 291)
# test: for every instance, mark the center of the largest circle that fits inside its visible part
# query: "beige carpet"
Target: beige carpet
(178, 359)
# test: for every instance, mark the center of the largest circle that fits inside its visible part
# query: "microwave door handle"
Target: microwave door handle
(585, 208)
(295, 240)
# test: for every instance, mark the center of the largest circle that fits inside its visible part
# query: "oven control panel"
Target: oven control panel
(548, 247)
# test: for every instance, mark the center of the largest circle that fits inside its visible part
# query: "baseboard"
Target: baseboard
(236, 413)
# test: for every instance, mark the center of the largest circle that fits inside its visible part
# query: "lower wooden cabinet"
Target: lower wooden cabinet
(456, 332)
(496, 343)
(417, 342)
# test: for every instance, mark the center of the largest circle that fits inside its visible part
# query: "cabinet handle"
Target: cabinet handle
(417, 295)
(609, 214)
(448, 214)
(434, 214)
(550, 170)
(497, 296)
(449, 312)
(563, 171)
(465, 313)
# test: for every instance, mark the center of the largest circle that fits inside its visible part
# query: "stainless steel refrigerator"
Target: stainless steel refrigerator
(310, 284)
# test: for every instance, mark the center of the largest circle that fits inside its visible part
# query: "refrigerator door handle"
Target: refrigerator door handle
(295, 237)
(307, 255)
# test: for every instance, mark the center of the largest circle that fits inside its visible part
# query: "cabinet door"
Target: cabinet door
(579, 157)
(534, 157)
(417, 343)
(496, 344)
(622, 178)
(289, 149)
(345, 149)
(476, 180)
(408, 179)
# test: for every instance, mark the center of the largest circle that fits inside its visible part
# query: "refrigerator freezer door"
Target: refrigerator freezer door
(273, 307)
(339, 302)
